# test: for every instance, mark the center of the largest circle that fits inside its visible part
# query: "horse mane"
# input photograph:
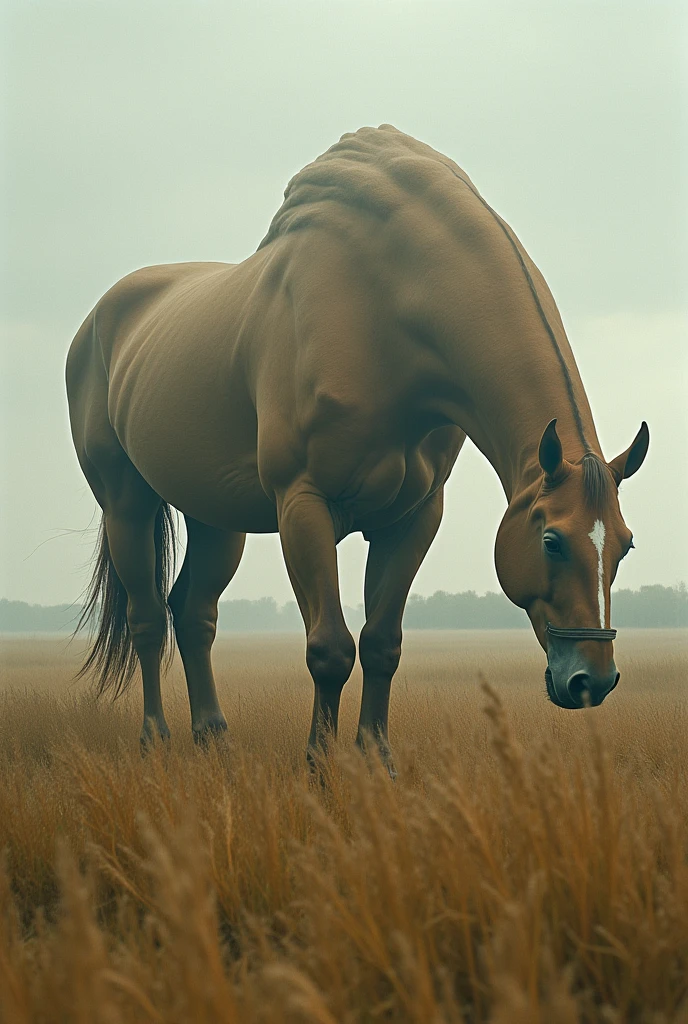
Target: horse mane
(598, 482)
(362, 170)
(374, 170)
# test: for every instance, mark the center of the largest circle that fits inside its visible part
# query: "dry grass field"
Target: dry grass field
(529, 866)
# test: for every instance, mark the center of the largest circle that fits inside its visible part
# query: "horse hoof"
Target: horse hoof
(366, 744)
(387, 760)
(211, 728)
(314, 763)
(388, 764)
(153, 732)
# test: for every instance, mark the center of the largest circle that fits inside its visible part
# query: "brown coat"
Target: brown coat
(326, 385)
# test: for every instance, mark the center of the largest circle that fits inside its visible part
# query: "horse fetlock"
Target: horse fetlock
(207, 727)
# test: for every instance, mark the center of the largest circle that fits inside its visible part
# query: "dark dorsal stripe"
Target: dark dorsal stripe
(543, 316)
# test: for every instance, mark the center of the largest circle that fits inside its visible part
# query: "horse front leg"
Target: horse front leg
(394, 557)
(309, 546)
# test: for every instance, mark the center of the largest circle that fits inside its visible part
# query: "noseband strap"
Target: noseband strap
(583, 633)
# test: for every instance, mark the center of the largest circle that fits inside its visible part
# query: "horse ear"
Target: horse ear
(630, 461)
(550, 453)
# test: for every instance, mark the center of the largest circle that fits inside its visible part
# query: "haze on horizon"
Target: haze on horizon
(150, 132)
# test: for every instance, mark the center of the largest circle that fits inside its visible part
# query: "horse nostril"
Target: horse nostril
(578, 688)
(618, 676)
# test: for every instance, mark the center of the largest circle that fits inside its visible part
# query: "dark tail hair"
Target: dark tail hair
(112, 659)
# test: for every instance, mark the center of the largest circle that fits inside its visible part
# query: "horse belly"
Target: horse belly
(219, 488)
(229, 499)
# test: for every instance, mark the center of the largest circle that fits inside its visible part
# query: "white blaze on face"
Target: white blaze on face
(596, 535)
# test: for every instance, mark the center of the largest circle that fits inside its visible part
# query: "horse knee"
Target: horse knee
(330, 659)
(194, 629)
(380, 652)
(147, 625)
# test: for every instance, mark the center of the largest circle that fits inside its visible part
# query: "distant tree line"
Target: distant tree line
(650, 606)
(463, 611)
(20, 617)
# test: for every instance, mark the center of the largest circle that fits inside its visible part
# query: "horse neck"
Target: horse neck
(509, 387)
(505, 349)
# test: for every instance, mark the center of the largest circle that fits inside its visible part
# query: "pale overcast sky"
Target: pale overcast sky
(139, 133)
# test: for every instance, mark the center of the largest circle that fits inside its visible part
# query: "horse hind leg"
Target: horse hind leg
(131, 571)
(211, 560)
(129, 585)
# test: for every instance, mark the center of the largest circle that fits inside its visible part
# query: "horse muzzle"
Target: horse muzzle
(572, 682)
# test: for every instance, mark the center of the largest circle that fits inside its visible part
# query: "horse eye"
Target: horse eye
(552, 545)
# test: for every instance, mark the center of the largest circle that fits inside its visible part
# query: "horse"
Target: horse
(326, 385)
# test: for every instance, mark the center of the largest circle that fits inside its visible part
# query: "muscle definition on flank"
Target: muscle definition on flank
(324, 386)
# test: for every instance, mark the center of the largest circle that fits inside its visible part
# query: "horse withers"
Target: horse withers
(326, 385)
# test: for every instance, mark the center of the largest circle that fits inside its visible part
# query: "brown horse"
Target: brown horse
(326, 385)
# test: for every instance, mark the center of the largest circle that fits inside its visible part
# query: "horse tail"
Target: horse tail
(112, 659)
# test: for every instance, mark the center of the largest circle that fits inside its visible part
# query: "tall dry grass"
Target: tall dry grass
(529, 865)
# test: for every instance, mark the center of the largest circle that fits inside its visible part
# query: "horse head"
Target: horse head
(557, 553)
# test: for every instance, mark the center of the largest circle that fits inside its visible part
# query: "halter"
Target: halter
(582, 633)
